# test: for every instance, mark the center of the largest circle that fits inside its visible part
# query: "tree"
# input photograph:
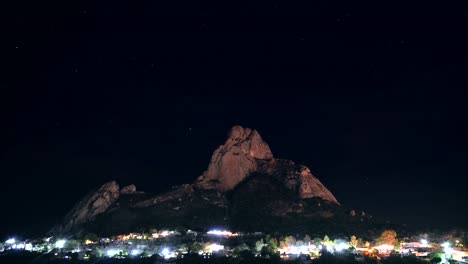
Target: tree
(388, 237)
(353, 242)
(238, 249)
(273, 243)
(360, 242)
(196, 247)
(307, 239)
(327, 242)
(259, 245)
(288, 241)
(317, 241)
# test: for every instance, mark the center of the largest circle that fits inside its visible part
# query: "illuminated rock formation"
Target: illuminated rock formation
(94, 203)
(243, 178)
(241, 154)
(245, 152)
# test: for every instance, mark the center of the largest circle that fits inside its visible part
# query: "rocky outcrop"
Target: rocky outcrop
(96, 202)
(177, 193)
(311, 187)
(300, 180)
(243, 153)
(129, 189)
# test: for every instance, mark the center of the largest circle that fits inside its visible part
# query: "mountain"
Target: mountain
(244, 187)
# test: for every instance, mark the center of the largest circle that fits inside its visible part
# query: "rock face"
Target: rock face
(94, 203)
(300, 180)
(242, 153)
(245, 152)
(129, 189)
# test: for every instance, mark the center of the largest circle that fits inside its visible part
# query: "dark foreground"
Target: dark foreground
(35, 258)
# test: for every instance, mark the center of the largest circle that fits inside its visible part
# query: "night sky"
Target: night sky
(372, 98)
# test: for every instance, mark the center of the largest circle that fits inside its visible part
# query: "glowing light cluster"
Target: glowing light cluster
(10, 241)
(135, 252)
(164, 233)
(221, 233)
(88, 242)
(167, 254)
(297, 250)
(341, 246)
(214, 248)
(447, 249)
(385, 248)
(112, 252)
(60, 243)
(28, 247)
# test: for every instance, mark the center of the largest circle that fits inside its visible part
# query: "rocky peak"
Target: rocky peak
(242, 153)
(245, 152)
(94, 203)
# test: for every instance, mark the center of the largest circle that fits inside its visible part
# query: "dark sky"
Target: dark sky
(370, 96)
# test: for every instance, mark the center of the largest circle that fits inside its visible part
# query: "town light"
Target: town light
(28, 247)
(166, 253)
(10, 241)
(112, 252)
(220, 233)
(293, 250)
(341, 246)
(135, 252)
(60, 243)
(215, 247)
(424, 242)
(20, 246)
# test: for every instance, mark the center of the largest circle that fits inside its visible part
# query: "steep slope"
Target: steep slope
(94, 203)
